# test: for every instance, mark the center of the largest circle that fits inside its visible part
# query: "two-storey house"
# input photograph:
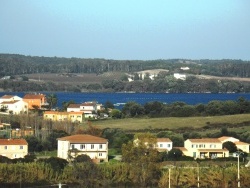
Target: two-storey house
(160, 144)
(205, 148)
(72, 146)
(240, 145)
(64, 116)
(164, 144)
(11, 104)
(13, 148)
(35, 100)
(15, 107)
(89, 108)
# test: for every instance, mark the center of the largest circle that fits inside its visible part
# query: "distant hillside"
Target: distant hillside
(12, 64)
(27, 73)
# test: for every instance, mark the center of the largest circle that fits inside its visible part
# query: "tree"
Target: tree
(174, 154)
(116, 114)
(82, 158)
(142, 150)
(66, 104)
(52, 100)
(230, 146)
(57, 164)
(108, 104)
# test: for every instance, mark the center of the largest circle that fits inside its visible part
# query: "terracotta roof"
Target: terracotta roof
(83, 138)
(212, 150)
(13, 142)
(163, 140)
(9, 102)
(241, 143)
(56, 112)
(7, 97)
(74, 106)
(81, 113)
(88, 104)
(181, 148)
(224, 138)
(205, 140)
(33, 96)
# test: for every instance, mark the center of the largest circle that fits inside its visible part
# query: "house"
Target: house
(205, 148)
(14, 107)
(64, 116)
(18, 133)
(72, 146)
(13, 148)
(7, 98)
(89, 108)
(164, 144)
(161, 144)
(180, 76)
(240, 145)
(35, 100)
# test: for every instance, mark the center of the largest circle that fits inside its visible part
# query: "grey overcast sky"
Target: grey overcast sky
(126, 29)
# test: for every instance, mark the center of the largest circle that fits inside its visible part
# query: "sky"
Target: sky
(126, 29)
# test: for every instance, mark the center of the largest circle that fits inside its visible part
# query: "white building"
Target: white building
(180, 76)
(164, 144)
(15, 107)
(89, 108)
(72, 146)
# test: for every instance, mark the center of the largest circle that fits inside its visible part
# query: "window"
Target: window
(100, 146)
(168, 145)
(20, 147)
(161, 145)
(100, 154)
(92, 146)
(5, 147)
(72, 146)
(192, 145)
(82, 146)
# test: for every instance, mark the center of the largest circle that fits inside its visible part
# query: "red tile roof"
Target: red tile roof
(13, 142)
(83, 138)
(33, 96)
(163, 140)
(241, 143)
(9, 102)
(7, 97)
(205, 140)
(74, 106)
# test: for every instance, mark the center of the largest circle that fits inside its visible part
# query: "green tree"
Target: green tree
(230, 146)
(174, 154)
(116, 114)
(52, 100)
(66, 104)
(82, 158)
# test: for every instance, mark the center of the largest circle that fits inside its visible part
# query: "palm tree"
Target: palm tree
(52, 100)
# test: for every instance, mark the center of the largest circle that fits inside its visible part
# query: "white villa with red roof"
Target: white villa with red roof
(89, 108)
(205, 148)
(72, 146)
(164, 144)
(240, 145)
(13, 104)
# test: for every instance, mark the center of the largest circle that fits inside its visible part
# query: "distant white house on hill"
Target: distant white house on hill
(180, 76)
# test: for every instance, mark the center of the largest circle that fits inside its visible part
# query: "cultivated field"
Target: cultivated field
(178, 124)
(73, 78)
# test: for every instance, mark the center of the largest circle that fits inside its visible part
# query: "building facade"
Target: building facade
(70, 147)
(13, 148)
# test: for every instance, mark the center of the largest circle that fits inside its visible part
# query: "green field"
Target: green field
(175, 123)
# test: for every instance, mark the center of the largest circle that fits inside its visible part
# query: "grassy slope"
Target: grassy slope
(171, 123)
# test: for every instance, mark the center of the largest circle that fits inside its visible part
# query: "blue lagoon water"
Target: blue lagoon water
(141, 98)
